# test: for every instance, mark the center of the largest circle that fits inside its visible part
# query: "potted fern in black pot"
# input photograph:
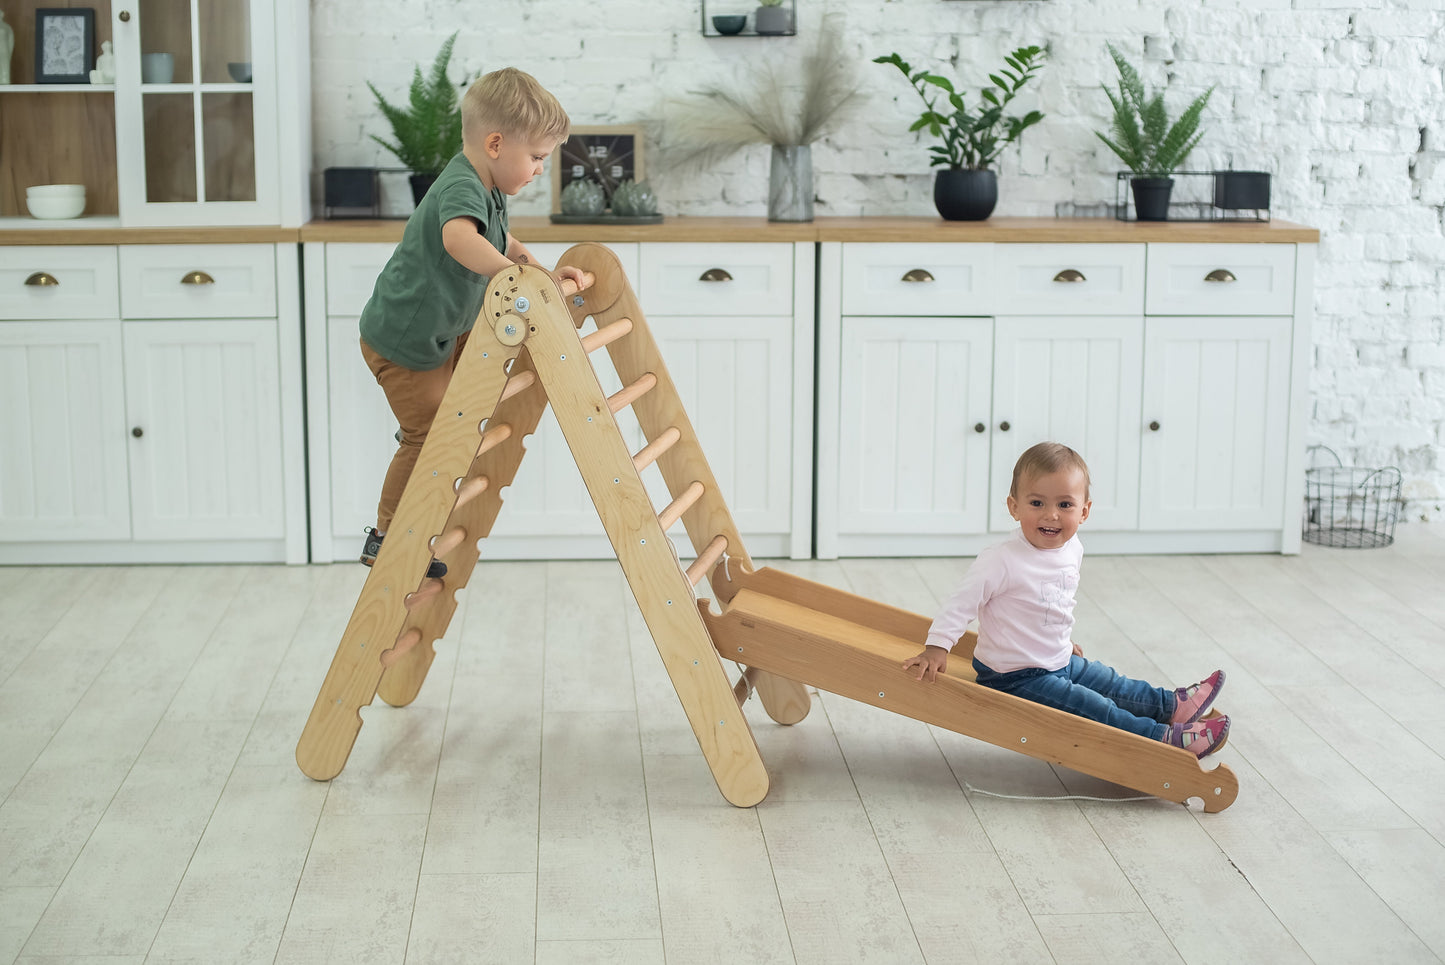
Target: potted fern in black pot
(427, 131)
(966, 189)
(1146, 142)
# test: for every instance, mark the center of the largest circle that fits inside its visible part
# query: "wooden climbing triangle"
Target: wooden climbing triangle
(786, 632)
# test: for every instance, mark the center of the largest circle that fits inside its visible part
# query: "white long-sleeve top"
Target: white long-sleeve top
(1023, 599)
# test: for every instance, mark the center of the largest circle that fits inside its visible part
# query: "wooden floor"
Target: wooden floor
(544, 801)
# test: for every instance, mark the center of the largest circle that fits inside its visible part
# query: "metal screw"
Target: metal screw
(510, 330)
(578, 300)
(616, 480)
(1166, 785)
(642, 542)
(1023, 740)
(522, 305)
(880, 693)
(562, 358)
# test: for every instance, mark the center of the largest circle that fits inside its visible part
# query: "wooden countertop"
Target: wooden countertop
(530, 229)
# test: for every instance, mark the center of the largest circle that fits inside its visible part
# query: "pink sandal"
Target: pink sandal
(1193, 701)
(1201, 738)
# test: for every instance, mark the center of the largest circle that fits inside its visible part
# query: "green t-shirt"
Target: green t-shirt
(424, 298)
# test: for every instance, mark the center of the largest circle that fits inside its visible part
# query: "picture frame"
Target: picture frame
(64, 45)
(608, 154)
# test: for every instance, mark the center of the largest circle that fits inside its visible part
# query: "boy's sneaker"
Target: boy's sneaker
(372, 546)
(1201, 738)
(1191, 703)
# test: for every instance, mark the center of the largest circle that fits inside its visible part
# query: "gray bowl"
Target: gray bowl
(729, 24)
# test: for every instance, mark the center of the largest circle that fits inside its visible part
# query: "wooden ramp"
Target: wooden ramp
(524, 352)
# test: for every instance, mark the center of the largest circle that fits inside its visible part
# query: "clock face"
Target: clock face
(606, 158)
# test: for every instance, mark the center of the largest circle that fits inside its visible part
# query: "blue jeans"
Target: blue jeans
(1089, 689)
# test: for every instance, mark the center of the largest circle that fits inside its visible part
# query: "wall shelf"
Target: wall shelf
(787, 12)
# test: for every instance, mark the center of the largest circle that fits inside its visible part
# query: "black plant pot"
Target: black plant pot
(419, 185)
(963, 195)
(1151, 197)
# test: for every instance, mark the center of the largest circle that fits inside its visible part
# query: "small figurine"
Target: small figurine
(104, 72)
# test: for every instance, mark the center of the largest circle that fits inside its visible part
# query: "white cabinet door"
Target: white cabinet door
(1215, 412)
(1075, 381)
(62, 437)
(203, 403)
(735, 379)
(914, 392)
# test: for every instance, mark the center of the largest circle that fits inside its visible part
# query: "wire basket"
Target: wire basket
(1349, 507)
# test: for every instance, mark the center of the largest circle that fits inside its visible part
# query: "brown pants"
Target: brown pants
(414, 398)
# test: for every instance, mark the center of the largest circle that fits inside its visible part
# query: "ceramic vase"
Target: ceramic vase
(790, 183)
(961, 194)
(1151, 197)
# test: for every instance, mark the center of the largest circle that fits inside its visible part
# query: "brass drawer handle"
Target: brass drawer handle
(1220, 274)
(715, 274)
(197, 278)
(917, 274)
(42, 278)
(1070, 274)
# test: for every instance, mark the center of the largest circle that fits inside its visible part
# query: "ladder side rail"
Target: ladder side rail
(400, 569)
(663, 594)
(498, 465)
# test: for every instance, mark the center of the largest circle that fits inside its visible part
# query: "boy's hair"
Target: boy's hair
(1044, 458)
(511, 101)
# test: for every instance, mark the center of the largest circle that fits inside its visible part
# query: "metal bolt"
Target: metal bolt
(1023, 740)
(1166, 785)
(562, 358)
(522, 305)
(578, 300)
(642, 542)
(616, 480)
(510, 330)
(880, 693)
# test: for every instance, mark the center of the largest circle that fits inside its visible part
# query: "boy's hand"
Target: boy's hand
(1078, 650)
(578, 276)
(928, 664)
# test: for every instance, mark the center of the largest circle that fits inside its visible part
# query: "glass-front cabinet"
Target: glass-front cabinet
(190, 131)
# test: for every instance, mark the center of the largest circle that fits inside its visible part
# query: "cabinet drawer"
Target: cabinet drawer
(351, 273)
(84, 279)
(909, 279)
(722, 279)
(198, 281)
(1220, 280)
(1070, 279)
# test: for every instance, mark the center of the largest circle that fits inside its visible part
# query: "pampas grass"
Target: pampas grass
(786, 104)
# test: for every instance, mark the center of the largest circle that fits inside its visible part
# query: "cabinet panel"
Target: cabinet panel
(205, 398)
(1070, 279)
(62, 438)
(85, 282)
(1075, 381)
(1219, 391)
(908, 279)
(198, 281)
(913, 391)
(351, 272)
(721, 279)
(1220, 280)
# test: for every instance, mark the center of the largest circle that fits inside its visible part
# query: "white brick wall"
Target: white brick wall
(1342, 100)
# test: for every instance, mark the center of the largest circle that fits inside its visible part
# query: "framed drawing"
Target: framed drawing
(607, 155)
(64, 45)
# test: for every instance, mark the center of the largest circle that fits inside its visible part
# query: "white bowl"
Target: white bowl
(53, 209)
(55, 191)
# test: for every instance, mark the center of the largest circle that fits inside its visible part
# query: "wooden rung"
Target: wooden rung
(629, 394)
(606, 335)
(494, 436)
(518, 383)
(423, 594)
(648, 454)
(678, 506)
(404, 643)
(710, 555)
(451, 539)
(471, 488)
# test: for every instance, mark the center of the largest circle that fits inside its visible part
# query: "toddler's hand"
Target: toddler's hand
(1078, 650)
(929, 664)
(569, 271)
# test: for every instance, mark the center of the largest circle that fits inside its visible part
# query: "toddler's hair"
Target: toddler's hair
(1044, 458)
(511, 101)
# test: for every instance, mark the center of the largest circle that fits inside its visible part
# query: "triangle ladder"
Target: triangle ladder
(524, 352)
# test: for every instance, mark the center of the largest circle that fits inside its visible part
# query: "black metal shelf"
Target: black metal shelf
(788, 11)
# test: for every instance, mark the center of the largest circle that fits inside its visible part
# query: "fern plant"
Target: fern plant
(428, 130)
(972, 140)
(1142, 135)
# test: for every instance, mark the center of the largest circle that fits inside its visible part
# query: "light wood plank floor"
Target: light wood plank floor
(544, 801)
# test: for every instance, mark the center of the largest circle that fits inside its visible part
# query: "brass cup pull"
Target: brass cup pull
(42, 278)
(1220, 274)
(978, 427)
(1154, 427)
(1004, 427)
(715, 274)
(917, 274)
(197, 278)
(1070, 274)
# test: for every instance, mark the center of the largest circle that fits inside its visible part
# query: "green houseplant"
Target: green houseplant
(971, 140)
(1146, 142)
(427, 131)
